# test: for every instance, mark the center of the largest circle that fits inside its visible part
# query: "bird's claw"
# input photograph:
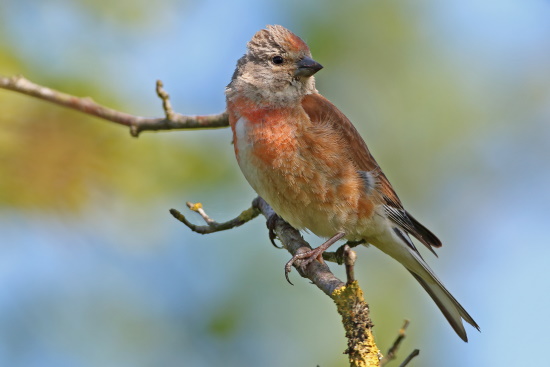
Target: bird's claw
(288, 268)
(306, 258)
(270, 223)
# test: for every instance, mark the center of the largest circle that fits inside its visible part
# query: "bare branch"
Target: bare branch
(392, 352)
(197, 207)
(339, 256)
(293, 241)
(137, 124)
(213, 226)
(349, 261)
(413, 354)
(318, 273)
(166, 105)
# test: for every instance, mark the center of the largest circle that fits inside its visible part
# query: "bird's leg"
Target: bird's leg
(309, 256)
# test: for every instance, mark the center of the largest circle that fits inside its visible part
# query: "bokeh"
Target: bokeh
(452, 97)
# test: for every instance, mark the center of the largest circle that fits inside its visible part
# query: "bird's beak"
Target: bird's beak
(307, 67)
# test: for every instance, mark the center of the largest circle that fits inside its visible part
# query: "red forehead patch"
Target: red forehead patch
(277, 36)
(295, 43)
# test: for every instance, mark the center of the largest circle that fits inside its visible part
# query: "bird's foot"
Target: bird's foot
(308, 257)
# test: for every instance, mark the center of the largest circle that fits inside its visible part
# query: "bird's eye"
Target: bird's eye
(277, 60)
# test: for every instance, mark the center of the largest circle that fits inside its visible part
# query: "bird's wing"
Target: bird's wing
(321, 110)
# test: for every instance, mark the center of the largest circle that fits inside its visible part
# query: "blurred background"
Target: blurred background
(452, 97)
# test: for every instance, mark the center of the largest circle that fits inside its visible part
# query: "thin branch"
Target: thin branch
(349, 261)
(339, 256)
(197, 207)
(213, 226)
(413, 354)
(165, 97)
(293, 241)
(137, 124)
(392, 352)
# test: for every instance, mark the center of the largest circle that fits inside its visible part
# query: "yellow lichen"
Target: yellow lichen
(195, 207)
(362, 349)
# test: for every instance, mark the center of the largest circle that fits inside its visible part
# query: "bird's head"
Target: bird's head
(277, 69)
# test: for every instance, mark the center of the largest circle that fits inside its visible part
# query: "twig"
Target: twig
(339, 255)
(392, 352)
(197, 207)
(413, 354)
(349, 261)
(137, 124)
(165, 97)
(214, 226)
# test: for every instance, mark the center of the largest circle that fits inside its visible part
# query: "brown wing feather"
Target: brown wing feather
(321, 110)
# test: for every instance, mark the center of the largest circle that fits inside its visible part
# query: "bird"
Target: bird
(306, 159)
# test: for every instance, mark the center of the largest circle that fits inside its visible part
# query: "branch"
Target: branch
(390, 356)
(413, 354)
(291, 239)
(213, 226)
(349, 260)
(137, 124)
(362, 350)
(339, 256)
(348, 297)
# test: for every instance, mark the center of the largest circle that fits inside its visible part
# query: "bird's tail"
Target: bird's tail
(449, 306)
(405, 252)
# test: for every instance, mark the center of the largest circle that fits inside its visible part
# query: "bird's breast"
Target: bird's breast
(265, 152)
(301, 172)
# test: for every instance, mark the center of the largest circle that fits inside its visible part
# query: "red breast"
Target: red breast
(300, 167)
